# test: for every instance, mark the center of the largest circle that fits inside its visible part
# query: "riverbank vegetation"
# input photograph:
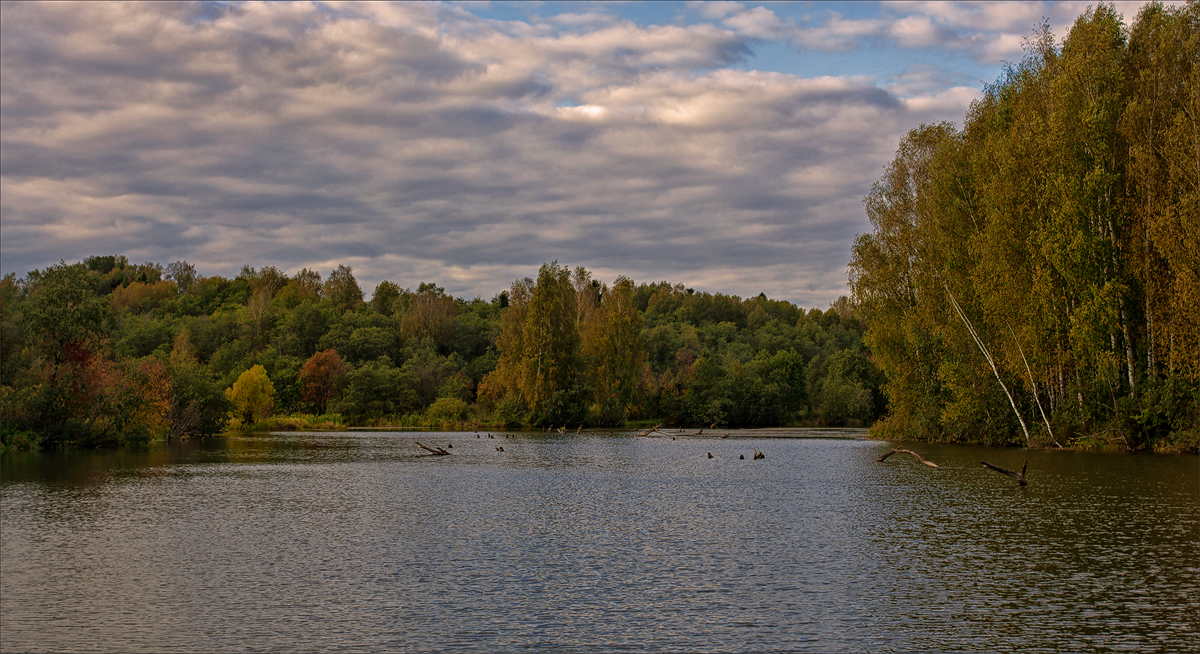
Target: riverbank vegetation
(1033, 277)
(107, 352)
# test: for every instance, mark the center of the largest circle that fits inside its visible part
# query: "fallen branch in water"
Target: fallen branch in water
(931, 464)
(1019, 476)
(437, 451)
(650, 430)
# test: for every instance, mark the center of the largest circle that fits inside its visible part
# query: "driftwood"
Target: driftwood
(650, 430)
(899, 450)
(1019, 476)
(758, 455)
(436, 451)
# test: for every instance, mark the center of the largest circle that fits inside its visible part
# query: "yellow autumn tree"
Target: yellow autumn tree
(252, 395)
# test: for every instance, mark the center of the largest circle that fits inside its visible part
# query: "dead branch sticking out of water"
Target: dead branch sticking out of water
(899, 450)
(436, 451)
(650, 430)
(1019, 476)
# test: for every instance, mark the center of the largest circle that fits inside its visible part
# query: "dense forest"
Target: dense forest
(1035, 276)
(1031, 279)
(105, 352)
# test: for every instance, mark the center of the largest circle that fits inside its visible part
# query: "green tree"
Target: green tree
(308, 283)
(1161, 124)
(895, 274)
(386, 298)
(550, 362)
(65, 322)
(612, 344)
(65, 316)
(198, 407)
(1041, 265)
(182, 273)
(377, 389)
(342, 289)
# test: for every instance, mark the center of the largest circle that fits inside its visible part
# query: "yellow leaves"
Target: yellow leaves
(1068, 216)
(140, 297)
(182, 352)
(612, 342)
(252, 395)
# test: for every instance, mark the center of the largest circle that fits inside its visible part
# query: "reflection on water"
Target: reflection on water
(363, 542)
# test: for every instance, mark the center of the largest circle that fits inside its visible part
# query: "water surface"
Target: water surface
(364, 542)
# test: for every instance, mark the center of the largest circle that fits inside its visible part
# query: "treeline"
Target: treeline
(1035, 277)
(107, 352)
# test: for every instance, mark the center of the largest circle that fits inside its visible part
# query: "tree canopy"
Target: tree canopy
(561, 349)
(1033, 277)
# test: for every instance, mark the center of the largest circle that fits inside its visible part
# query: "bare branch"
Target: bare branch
(898, 450)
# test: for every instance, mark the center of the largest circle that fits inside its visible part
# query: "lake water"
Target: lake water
(364, 542)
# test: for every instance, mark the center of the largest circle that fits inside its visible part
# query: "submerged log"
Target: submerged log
(436, 451)
(1019, 476)
(900, 450)
(650, 430)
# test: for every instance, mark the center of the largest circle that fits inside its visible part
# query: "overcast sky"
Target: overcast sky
(723, 145)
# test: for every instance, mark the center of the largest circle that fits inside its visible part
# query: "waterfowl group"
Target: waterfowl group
(757, 455)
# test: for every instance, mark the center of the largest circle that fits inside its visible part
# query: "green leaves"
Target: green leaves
(65, 313)
(1047, 218)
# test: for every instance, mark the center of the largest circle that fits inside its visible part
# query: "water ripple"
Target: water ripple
(360, 542)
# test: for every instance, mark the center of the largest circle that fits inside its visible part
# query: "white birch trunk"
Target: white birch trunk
(988, 355)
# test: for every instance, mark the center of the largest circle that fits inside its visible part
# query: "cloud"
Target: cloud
(422, 143)
(716, 9)
(837, 33)
(990, 32)
(757, 23)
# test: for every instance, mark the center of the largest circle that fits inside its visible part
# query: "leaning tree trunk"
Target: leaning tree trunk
(988, 355)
